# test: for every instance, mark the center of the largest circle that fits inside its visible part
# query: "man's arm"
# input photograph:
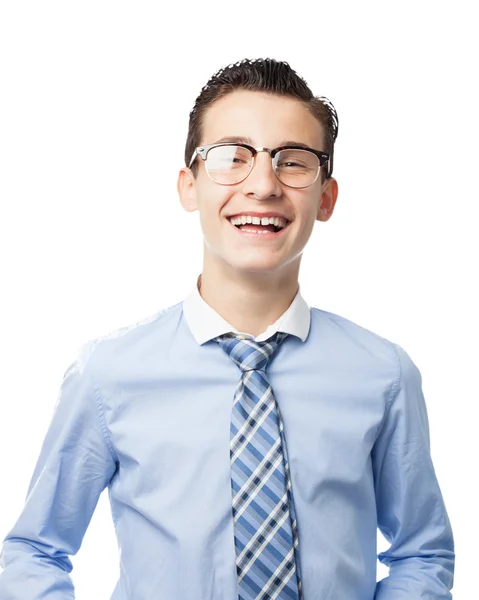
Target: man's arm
(410, 507)
(75, 464)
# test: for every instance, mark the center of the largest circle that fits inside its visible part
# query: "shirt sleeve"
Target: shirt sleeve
(410, 508)
(75, 464)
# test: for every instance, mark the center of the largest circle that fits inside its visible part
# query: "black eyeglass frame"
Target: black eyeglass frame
(202, 152)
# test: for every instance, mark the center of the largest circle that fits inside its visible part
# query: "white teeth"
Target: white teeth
(243, 219)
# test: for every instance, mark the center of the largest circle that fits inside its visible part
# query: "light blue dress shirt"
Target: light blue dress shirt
(145, 412)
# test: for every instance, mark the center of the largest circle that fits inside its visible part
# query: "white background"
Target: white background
(94, 107)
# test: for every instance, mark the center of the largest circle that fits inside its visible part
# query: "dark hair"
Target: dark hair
(261, 75)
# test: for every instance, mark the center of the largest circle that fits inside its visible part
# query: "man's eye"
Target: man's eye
(292, 165)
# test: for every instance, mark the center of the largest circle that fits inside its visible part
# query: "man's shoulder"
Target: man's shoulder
(122, 343)
(349, 333)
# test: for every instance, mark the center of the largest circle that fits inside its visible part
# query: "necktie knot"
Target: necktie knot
(248, 354)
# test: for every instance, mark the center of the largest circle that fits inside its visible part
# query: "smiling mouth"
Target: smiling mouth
(260, 230)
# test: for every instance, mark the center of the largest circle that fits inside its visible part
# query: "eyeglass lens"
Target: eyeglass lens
(231, 164)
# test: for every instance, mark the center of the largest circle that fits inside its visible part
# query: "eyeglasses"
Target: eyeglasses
(229, 163)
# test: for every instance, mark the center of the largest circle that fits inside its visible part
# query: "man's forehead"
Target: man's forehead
(248, 117)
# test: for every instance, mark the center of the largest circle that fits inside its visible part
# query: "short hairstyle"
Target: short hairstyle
(261, 75)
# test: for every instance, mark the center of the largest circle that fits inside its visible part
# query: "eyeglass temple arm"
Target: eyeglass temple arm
(193, 158)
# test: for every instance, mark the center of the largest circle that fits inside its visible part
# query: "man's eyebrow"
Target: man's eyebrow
(294, 143)
(238, 139)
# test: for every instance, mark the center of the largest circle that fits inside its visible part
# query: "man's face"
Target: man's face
(263, 120)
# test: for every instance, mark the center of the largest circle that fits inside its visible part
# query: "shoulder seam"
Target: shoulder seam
(393, 392)
(101, 418)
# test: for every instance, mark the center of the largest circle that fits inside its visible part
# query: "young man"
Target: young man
(251, 445)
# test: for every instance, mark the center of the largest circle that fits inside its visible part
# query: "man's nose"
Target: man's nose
(262, 181)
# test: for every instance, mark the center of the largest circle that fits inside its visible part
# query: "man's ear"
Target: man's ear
(187, 190)
(329, 195)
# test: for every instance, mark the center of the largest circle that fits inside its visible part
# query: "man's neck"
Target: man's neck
(248, 305)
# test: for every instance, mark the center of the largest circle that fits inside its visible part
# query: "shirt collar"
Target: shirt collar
(205, 323)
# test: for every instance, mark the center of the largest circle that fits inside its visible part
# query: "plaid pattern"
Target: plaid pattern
(266, 534)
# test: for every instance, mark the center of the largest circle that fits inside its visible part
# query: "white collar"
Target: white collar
(205, 323)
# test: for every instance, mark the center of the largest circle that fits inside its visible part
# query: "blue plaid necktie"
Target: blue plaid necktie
(265, 528)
